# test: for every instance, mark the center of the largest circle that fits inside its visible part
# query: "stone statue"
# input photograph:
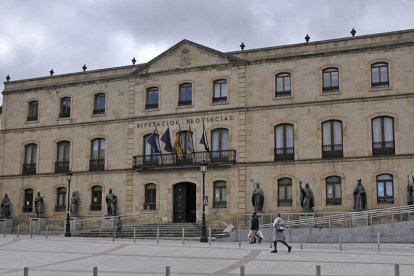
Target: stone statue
(360, 197)
(39, 206)
(410, 188)
(306, 198)
(257, 198)
(111, 201)
(74, 204)
(5, 207)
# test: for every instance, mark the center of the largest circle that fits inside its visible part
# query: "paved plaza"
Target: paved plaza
(77, 256)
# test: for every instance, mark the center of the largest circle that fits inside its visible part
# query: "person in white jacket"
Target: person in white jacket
(279, 234)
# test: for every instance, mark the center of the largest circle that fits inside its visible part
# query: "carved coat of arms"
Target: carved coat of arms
(185, 57)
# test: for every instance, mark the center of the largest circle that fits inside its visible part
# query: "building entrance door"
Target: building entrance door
(184, 198)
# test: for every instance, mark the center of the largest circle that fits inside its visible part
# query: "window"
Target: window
(28, 201)
(219, 199)
(330, 80)
(219, 145)
(33, 109)
(99, 104)
(98, 148)
(284, 191)
(30, 159)
(186, 141)
(65, 104)
(152, 98)
(332, 139)
(96, 200)
(379, 75)
(283, 84)
(62, 158)
(284, 149)
(61, 200)
(383, 136)
(333, 190)
(385, 189)
(185, 97)
(150, 197)
(220, 91)
(151, 156)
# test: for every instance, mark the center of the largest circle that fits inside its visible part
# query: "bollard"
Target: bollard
(318, 270)
(95, 271)
(18, 230)
(158, 235)
(183, 235)
(135, 235)
(4, 229)
(31, 229)
(26, 271)
(378, 242)
(340, 241)
(301, 238)
(396, 270)
(238, 236)
(167, 271)
(209, 236)
(113, 234)
(242, 271)
(47, 228)
(270, 237)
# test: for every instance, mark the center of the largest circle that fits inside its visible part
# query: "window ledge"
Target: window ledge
(152, 109)
(185, 106)
(376, 89)
(98, 115)
(220, 103)
(283, 97)
(333, 93)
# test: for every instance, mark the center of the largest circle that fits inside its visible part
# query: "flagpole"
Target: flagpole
(159, 144)
(192, 142)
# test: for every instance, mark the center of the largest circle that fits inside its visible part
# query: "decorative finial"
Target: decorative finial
(307, 37)
(242, 46)
(353, 32)
(7, 78)
(51, 72)
(84, 67)
(133, 61)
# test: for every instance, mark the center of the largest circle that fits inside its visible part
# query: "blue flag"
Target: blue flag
(166, 138)
(204, 140)
(152, 140)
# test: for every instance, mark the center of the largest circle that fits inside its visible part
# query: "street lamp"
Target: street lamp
(68, 178)
(203, 169)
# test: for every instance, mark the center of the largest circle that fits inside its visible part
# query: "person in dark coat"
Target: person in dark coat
(254, 228)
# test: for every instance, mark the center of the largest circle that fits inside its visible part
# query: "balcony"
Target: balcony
(170, 160)
(185, 102)
(29, 168)
(385, 200)
(383, 148)
(64, 114)
(32, 118)
(61, 167)
(282, 93)
(330, 89)
(97, 165)
(381, 84)
(98, 111)
(282, 154)
(151, 105)
(334, 201)
(332, 151)
(219, 99)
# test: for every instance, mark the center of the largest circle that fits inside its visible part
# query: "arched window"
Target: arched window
(220, 91)
(330, 80)
(379, 75)
(283, 85)
(64, 109)
(284, 148)
(383, 136)
(284, 192)
(150, 202)
(219, 198)
(152, 98)
(61, 199)
(28, 201)
(96, 198)
(33, 111)
(333, 190)
(385, 189)
(62, 158)
(99, 103)
(185, 94)
(30, 159)
(332, 139)
(220, 145)
(98, 151)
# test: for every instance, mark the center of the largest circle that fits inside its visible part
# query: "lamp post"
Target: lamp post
(68, 178)
(203, 169)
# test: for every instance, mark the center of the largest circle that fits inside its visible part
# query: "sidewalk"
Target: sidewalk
(76, 256)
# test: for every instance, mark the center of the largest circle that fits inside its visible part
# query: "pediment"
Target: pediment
(186, 54)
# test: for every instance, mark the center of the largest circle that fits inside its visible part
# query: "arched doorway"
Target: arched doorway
(184, 202)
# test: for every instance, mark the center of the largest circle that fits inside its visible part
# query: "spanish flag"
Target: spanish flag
(177, 145)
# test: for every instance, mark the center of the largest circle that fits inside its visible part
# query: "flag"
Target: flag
(152, 140)
(177, 145)
(204, 140)
(166, 138)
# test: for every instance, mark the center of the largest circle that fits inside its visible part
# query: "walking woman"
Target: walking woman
(279, 234)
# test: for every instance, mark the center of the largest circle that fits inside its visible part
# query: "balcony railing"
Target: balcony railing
(151, 105)
(185, 102)
(29, 168)
(219, 99)
(282, 154)
(219, 204)
(32, 118)
(27, 209)
(96, 207)
(97, 164)
(186, 160)
(284, 202)
(61, 167)
(380, 84)
(334, 201)
(385, 200)
(383, 148)
(282, 93)
(330, 89)
(64, 114)
(60, 208)
(332, 151)
(98, 111)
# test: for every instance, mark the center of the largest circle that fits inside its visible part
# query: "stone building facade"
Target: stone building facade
(325, 113)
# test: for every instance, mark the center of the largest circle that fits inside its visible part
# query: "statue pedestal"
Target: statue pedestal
(74, 224)
(6, 225)
(307, 220)
(38, 224)
(359, 219)
(108, 222)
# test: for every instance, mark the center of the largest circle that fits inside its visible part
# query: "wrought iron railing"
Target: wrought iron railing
(29, 168)
(186, 159)
(380, 84)
(96, 207)
(151, 105)
(334, 201)
(282, 154)
(60, 208)
(61, 166)
(185, 102)
(330, 89)
(219, 99)
(383, 148)
(64, 114)
(98, 111)
(282, 93)
(97, 164)
(32, 118)
(332, 151)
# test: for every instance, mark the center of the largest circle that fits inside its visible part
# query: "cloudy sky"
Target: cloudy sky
(38, 35)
